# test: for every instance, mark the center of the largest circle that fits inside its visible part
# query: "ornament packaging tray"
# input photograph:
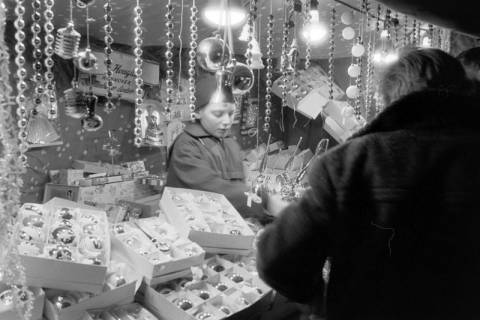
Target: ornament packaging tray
(121, 312)
(226, 291)
(9, 312)
(63, 245)
(161, 255)
(208, 219)
(116, 291)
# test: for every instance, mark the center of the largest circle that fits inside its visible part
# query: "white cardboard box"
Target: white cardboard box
(10, 313)
(155, 273)
(65, 275)
(212, 242)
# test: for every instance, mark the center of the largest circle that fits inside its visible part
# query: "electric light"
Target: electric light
(315, 32)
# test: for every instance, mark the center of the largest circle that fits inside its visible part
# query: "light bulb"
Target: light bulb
(384, 34)
(314, 32)
(218, 17)
(426, 42)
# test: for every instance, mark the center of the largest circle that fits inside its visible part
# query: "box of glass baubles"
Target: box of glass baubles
(8, 308)
(63, 245)
(208, 219)
(132, 311)
(120, 287)
(155, 249)
(220, 289)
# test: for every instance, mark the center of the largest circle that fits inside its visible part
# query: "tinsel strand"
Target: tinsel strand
(11, 169)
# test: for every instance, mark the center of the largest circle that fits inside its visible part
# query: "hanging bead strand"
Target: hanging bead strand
(192, 56)
(252, 15)
(49, 51)
(107, 28)
(138, 75)
(308, 47)
(21, 74)
(169, 56)
(414, 33)
(331, 53)
(37, 53)
(269, 75)
(406, 41)
(284, 59)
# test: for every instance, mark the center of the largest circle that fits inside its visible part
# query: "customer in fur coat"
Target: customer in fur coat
(396, 208)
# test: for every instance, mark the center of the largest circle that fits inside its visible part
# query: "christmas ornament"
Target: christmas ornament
(68, 39)
(48, 62)
(212, 54)
(91, 122)
(347, 17)
(108, 29)
(348, 33)
(192, 59)
(169, 58)
(269, 75)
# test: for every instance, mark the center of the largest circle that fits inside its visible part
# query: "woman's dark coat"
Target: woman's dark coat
(397, 208)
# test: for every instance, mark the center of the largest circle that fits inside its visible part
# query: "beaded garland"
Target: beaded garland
(192, 59)
(21, 83)
(331, 53)
(269, 75)
(169, 57)
(108, 39)
(48, 62)
(37, 53)
(251, 20)
(137, 131)
(308, 47)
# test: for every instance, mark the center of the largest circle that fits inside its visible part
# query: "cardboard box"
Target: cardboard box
(200, 221)
(101, 194)
(66, 275)
(10, 312)
(164, 305)
(166, 268)
(99, 167)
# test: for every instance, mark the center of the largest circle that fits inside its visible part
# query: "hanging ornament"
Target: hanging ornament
(347, 18)
(75, 104)
(169, 58)
(352, 92)
(307, 17)
(108, 29)
(348, 33)
(257, 62)
(21, 74)
(40, 130)
(48, 62)
(86, 60)
(358, 50)
(242, 78)
(91, 122)
(286, 26)
(84, 3)
(269, 74)
(37, 66)
(292, 56)
(354, 70)
(68, 39)
(223, 92)
(414, 33)
(331, 53)
(212, 54)
(137, 131)
(406, 41)
(192, 59)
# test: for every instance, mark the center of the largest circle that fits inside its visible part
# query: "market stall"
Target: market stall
(95, 94)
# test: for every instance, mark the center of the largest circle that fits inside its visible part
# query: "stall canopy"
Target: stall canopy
(459, 15)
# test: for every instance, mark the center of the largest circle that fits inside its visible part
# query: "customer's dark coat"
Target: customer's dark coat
(200, 161)
(397, 208)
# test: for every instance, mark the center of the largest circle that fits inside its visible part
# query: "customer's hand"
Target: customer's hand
(276, 204)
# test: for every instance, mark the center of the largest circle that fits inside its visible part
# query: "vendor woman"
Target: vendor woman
(206, 156)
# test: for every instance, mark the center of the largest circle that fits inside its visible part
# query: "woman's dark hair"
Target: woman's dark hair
(470, 58)
(421, 69)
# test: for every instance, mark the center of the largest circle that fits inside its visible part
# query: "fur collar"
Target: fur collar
(426, 110)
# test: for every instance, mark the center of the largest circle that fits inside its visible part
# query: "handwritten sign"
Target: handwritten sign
(123, 69)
